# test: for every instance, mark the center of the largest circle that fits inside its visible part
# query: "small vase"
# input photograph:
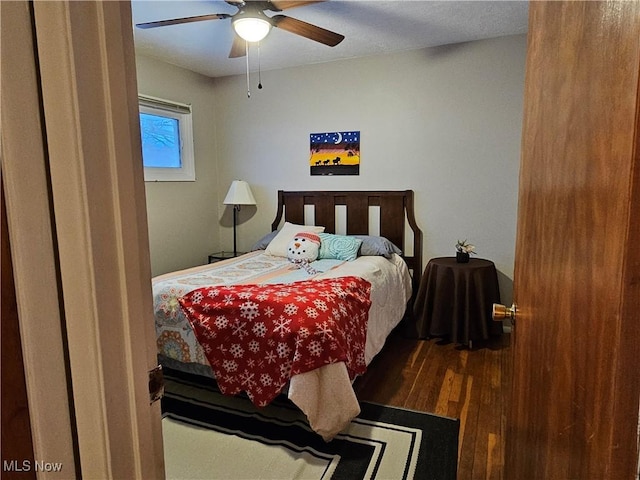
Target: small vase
(462, 257)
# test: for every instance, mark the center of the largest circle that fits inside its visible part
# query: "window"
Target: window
(167, 140)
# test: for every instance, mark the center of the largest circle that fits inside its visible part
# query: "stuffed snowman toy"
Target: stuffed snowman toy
(303, 250)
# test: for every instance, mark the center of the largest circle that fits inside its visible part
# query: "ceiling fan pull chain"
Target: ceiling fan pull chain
(259, 70)
(246, 49)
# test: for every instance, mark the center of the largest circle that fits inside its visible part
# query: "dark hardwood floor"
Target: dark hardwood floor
(453, 381)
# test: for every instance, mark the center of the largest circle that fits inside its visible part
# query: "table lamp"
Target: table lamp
(239, 194)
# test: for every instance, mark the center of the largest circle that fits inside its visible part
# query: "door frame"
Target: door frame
(25, 181)
(77, 222)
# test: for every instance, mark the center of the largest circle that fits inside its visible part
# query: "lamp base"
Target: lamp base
(236, 209)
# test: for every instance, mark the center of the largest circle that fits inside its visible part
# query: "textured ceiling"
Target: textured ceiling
(370, 27)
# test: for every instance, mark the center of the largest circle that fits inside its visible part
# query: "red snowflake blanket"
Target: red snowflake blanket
(256, 337)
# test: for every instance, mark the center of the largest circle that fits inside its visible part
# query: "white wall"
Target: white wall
(444, 121)
(183, 216)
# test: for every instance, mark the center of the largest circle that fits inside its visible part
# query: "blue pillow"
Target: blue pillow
(264, 241)
(339, 247)
(372, 246)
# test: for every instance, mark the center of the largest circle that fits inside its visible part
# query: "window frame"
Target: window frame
(182, 113)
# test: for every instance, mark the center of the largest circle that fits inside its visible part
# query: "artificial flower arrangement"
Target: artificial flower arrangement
(465, 247)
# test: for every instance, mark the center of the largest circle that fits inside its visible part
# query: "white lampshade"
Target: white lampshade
(251, 29)
(239, 194)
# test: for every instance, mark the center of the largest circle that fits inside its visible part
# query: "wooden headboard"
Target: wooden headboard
(396, 212)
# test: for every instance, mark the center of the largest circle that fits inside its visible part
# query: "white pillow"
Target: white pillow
(278, 246)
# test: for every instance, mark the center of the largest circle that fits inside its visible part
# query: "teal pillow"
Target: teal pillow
(339, 247)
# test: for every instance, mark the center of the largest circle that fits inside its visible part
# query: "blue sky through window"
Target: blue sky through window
(160, 141)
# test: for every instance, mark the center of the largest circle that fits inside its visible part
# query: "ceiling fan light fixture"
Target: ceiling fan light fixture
(251, 29)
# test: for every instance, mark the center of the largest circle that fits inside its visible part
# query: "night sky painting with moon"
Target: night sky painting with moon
(335, 153)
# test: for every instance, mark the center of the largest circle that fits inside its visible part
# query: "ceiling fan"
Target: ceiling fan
(251, 23)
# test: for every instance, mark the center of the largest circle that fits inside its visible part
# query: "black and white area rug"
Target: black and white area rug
(208, 435)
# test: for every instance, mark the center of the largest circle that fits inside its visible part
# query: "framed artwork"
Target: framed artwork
(335, 153)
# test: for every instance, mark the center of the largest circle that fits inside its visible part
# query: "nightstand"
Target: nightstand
(455, 300)
(216, 257)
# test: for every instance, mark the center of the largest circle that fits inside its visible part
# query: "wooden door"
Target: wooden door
(573, 413)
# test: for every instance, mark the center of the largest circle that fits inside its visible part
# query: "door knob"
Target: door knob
(500, 312)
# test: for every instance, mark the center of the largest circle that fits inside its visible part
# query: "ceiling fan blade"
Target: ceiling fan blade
(307, 30)
(285, 4)
(176, 21)
(238, 47)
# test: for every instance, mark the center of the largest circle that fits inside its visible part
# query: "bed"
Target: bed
(379, 220)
